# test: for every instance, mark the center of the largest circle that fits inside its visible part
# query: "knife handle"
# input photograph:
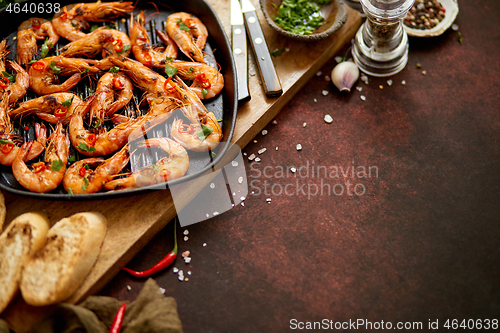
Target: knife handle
(272, 85)
(240, 54)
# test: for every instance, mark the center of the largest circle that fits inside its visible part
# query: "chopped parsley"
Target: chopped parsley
(114, 69)
(183, 26)
(72, 159)
(85, 71)
(67, 103)
(84, 147)
(11, 78)
(70, 191)
(45, 48)
(125, 48)
(300, 17)
(204, 92)
(94, 27)
(84, 186)
(205, 131)
(170, 70)
(56, 165)
(53, 66)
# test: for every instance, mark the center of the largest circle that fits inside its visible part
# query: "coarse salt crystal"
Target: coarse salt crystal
(304, 124)
(338, 59)
(212, 185)
(129, 288)
(315, 100)
(268, 199)
(162, 291)
(186, 232)
(245, 154)
(424, 72)
(181, 277)
(293, 170)
(242, 198)
(187, 260)
(175, 270)
(389, 83)
(186, 254)
(204, 244)
(216, 213)
(257, 159)
(275, 122)
(234, 163)
(207, 215)
(324, 92)
(327, 78)
(251, 157)
(403, 82)
(359, 88)
(276, 148)
(328, 119)
(363, 98)
(318, 73)
(299, 147)
(181, 272)
(455, 27)
(240, 180)
(189, 272)
(232, 205)
(264, 132)
(243, 204)
(186, 238)
(261, 151)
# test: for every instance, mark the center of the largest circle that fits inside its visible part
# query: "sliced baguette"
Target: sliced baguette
(20, 240)
(56, 271)
(3, 211)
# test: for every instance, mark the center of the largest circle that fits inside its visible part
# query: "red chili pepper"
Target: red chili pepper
(82, 171)
(161, 265)
(117, 84)
(4, 82)
(91, 139)
(169, 88)
(61, 112)
(38, 66)
(119, 46)
(64, 16)
(35, 23)
(165, 173)
(186, 129)
(38, 167)
(190, 23)
(116, 326)
(26, 128)
(205, 83)
(7, 148)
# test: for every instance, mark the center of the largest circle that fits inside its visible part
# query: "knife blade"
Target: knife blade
(271, 82)
(239, 47)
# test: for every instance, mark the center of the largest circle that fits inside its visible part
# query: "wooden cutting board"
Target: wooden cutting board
(133, 221)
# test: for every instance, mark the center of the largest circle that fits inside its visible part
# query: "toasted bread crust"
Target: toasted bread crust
(55, 272)
(20, 240)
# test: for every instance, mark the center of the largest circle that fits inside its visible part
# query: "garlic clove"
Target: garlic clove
(344, 75)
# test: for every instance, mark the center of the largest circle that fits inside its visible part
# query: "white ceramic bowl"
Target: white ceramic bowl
(451, 7)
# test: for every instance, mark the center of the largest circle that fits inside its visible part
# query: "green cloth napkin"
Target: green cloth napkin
(150, 312)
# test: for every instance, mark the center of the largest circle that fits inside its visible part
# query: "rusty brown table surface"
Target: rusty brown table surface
(421, 243)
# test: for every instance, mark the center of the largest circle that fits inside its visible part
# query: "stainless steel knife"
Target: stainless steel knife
(270, 80)
(240, 54)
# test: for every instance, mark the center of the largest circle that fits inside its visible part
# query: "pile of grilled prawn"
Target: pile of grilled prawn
(121, 63)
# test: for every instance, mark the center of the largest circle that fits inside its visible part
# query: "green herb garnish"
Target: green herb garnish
(169, 58)
(94, 27)
(96, 124)
(277, 53)
(114, 69)
(205, 131)
(155, 168)
(191, 70)
(53, 66)
(2, 141)
(183, 26)
(11, 78)
(212, 154)
(84, 186)
(85, 71)
(70, 191)
(73, 24)
(170, 70)
(300, 17)
(45, 48)
(67, 103)
(460, 39)
(72, 159)
(56, 165)
(84, 147)
(125, 48)
(205, 92)
(33, 61)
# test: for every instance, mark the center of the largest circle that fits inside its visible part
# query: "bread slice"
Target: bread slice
(58, 269)
(3, 211)
(20, 240)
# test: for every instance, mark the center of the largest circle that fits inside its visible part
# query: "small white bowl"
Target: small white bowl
(451, 13)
